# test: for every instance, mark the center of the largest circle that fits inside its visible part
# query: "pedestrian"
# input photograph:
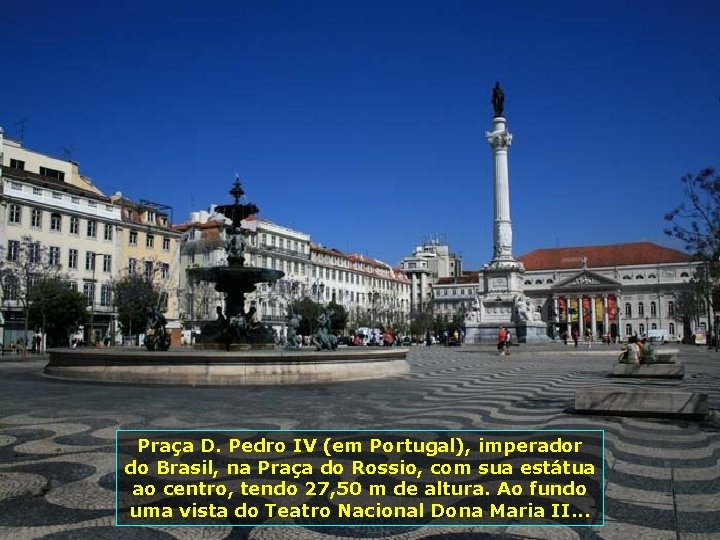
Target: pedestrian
(588, 339)
(507, 342)
(501, 341)
(565, 337)
(575, 336)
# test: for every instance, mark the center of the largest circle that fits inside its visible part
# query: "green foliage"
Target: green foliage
(57, 308)
(420, 324)
(309, 311)
(339, 318)
(132, 295)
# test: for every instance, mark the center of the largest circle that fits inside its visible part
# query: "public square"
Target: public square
(662, 475)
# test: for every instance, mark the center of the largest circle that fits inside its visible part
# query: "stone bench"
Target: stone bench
(660, 356)
(660, 370)
(665, 356)
(615, 400)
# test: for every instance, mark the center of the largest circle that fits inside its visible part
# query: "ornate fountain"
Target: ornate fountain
(236, 329)
(232, 351)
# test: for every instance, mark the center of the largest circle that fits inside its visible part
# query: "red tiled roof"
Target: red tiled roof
(602, 256)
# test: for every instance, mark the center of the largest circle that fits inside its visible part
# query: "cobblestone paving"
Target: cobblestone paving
(662, 476)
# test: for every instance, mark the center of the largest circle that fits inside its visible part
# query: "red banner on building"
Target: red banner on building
(586, 309)
(612, 307)
(562, 309)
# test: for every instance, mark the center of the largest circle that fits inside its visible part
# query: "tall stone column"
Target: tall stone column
(500, 140)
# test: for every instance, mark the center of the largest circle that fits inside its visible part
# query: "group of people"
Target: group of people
(503, 345)
(637, 351)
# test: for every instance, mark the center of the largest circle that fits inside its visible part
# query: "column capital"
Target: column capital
(499, 140)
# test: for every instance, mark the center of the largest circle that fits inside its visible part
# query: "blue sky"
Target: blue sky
(362, 123)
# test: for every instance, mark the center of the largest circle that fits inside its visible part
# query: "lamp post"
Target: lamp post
(318, 289)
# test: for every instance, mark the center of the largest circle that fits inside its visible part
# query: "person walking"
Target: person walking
(507, 342)
(575, 336)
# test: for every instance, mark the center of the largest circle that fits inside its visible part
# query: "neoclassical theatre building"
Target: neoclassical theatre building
(617, 290)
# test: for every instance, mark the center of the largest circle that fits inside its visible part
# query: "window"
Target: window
(36, 218)
(107, 263)
(55, 222)
(133, 238)
(671, 329)
(151, 216)
(653, 309)
(165, 270)
(89, 292)
(148, 269)
(626, 277)
(684, 274)
(15, 214)
(149, 240)
(17, 164)
(92, 228)
(671, 308)
(57, 195)
(641, 310)
(639, 277)
(11, 288)
(74, 225)
(166, 244)
(653, 326)
(89, 260)
(34, 252)
(628, 310)
(72, 258)
(52, 173)
(132, 265)
(105, 295)
(628, 329)
(75, 200)
(54, 256)
(108, 232)
(37, 191)
(13, 249)
(641, 328)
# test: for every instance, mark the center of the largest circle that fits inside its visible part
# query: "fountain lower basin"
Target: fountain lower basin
(220, 368)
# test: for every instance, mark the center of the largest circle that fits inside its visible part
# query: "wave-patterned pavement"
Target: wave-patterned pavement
(662, 477)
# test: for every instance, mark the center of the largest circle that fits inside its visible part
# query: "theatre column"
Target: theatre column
(593, 326)
(606, 316)
(581, 322)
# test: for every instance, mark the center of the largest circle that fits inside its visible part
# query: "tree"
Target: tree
(27, 263)
(132, 295)
(309, 311)
(57, 308)
(339, 318)
(696, 223)
(686, 311)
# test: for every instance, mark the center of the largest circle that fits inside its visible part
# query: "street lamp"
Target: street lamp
(318, 290)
